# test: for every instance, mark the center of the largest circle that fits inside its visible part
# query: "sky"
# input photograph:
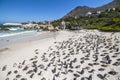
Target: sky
(41, 10)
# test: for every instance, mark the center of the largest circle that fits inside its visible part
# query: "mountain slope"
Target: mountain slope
(79, 11)
(82, 10)
(113, 4)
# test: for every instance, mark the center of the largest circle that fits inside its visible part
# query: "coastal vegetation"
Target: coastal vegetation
(108, 20)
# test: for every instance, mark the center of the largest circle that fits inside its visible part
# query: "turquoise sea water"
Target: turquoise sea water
(13, 34)
(13, 31)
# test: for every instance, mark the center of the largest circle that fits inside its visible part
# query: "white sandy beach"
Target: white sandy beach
(67, 55)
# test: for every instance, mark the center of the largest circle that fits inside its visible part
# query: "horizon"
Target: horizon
(13, 11)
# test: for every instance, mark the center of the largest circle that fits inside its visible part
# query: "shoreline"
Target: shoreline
(26, 40)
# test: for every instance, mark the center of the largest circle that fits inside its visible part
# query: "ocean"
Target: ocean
(14, 33)
(19, 35)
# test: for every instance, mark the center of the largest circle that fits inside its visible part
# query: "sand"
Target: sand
(71, 55)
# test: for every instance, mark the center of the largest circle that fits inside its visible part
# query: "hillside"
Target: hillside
(113, 4)
(79, 11)
(82, 10)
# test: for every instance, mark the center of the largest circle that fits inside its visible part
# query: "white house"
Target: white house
(98, 12)
(113, 9)
(88, 13)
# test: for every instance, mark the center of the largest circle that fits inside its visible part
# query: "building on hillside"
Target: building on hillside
(98, 12)
(113, 9)
(75, 17)
(88, 13)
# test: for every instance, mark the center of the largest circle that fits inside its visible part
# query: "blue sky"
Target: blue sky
(40, 10)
